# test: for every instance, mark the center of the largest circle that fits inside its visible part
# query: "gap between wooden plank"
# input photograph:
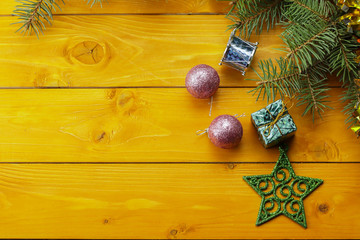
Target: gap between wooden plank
(126, 14)
(172, 163)
(134, 6)
(139, 87)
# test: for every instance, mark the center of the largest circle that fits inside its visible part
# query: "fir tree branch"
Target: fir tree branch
(342, 57)
(93, 2)
(33, 13)
(352, 97)
(308, 43)
(277, 79)
(240, 4)
(308, 87)
(296, 49)
(257, 14)
(251, 15)
(313, 89)
(301, 11)
(317, 44)
(311, 92)
(311, 10)
(308, 35)
(282, 79)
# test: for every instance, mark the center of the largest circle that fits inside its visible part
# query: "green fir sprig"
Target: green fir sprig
(352, 97)
(308, 42)
(280, 78)
(35, 15)
(93, 2)
(316, 44)
(342, 57)
(313, 92)
(253, 15)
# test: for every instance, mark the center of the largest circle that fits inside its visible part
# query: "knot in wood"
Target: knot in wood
(126, 102)
(173, 232)
(231, 166)
(323, 208)
(88, 52)
(99, 136)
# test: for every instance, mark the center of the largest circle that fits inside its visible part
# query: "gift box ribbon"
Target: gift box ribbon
(275, 120)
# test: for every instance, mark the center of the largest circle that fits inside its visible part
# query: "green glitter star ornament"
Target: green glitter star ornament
(282, 192)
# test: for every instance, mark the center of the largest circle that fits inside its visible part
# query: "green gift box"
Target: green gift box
(273, 123)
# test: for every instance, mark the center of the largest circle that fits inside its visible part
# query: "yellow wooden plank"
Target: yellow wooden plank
(155, 201)
(151, 125)
(122, 51)
(133, 6)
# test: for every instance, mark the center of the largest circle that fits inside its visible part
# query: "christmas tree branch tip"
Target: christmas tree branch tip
(35, 15)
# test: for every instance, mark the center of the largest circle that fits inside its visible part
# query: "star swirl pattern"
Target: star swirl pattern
(282, 192)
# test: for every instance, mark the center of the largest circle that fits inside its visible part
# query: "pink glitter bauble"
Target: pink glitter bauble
(225, 131)
(202, 81)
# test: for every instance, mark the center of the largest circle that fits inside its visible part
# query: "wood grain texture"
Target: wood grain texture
(155, 201)
(83, 51)
(152, 125)
(137, 169)
(133, 6)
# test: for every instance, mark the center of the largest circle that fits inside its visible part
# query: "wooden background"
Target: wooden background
(98, 132)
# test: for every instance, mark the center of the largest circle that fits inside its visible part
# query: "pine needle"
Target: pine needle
(309, 42)
(342, 57)
(313, 90)
(254, 15)
(93, 2)
(316, 43)
(352, 97)
(277, 79)
(34, 15)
